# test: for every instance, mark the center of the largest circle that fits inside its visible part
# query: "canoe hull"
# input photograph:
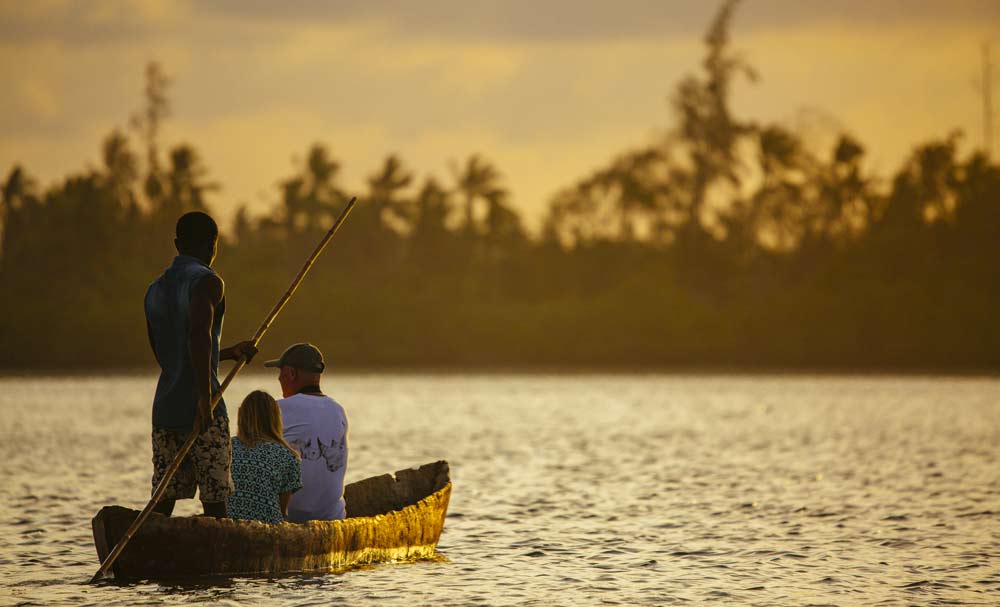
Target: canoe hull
(413, 505)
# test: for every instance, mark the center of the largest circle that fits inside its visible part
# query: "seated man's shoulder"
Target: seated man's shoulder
(339, 408)
(312, 404)
(331, 405)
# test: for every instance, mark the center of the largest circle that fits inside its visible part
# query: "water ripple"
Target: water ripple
(630, 490)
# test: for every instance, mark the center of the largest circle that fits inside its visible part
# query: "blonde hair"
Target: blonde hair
(260, 421)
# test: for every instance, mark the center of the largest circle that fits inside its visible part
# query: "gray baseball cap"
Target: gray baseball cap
(300, 356)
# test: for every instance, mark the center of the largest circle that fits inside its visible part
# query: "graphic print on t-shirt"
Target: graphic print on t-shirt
(309, 450)
(313, 449)
(334, 454)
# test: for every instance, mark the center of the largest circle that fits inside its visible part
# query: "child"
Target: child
(266, 469)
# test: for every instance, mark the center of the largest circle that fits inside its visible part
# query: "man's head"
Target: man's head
(197, 236)
(301, 365)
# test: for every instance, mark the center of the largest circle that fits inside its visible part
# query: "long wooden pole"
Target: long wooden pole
(179, 458)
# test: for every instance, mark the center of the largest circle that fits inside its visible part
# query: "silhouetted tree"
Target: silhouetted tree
(148, 122)
(186, 182)
(18, 214)
(726, 242)
(476, 181)
(504, 232)
(706, 125)
(430, 237)
(313, 196)
(121, 167)
(385, 186)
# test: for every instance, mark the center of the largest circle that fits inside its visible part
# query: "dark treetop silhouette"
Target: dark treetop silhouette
(727, 242)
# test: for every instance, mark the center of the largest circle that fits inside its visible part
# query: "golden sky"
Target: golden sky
(546, 89)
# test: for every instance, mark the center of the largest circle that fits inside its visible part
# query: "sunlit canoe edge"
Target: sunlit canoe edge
(390, 519)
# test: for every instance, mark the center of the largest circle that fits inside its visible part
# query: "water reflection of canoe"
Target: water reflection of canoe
(389, 519)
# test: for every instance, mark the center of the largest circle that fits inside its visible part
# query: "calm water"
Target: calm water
(571, 489)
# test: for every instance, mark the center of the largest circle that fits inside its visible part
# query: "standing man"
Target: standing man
(316, 425)
(184, 311)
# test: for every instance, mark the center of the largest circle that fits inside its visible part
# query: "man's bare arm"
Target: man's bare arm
(244, 349)
(207, 294)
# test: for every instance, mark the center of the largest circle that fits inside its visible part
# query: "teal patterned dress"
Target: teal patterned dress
(261, 474)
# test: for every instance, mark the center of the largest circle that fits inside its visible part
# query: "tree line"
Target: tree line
(725, 242)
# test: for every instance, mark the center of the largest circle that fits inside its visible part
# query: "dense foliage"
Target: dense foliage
(726, 243)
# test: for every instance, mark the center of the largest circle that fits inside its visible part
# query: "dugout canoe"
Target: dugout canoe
(389, 518)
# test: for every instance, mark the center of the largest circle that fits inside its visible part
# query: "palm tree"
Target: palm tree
(322, 194)
(186, 185)
(478, 180)
(291, 198)
(924, 191)
(843, 208)
(384, 187)
(776, 213)
(637, 184)
(16, 189)
(431, 209)
(17, 198)
(120, 162)
(503, 224)
(312, 195)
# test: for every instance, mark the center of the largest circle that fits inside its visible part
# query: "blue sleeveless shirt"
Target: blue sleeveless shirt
(167, 305)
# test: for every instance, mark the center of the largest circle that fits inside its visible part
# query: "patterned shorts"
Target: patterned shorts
(207, 465)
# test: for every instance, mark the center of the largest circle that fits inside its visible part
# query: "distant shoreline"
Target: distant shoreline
(483, 369)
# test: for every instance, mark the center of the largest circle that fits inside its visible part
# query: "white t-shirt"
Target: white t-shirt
(317, 427)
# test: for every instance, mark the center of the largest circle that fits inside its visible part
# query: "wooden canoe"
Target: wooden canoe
(388, 519)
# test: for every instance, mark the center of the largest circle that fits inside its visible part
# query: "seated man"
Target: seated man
(315, 425)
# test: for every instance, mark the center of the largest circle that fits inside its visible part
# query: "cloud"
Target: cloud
(50, 160)
(892, 87)
(91, 22)
(512, 21)
(36, 99)
(572, 20)
(546, 90)
(249, 153)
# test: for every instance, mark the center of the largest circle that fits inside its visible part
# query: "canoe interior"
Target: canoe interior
(390, 518)
(386, 493)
